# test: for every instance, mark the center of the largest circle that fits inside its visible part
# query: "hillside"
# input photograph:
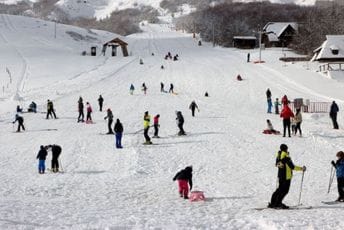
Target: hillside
(132, 188)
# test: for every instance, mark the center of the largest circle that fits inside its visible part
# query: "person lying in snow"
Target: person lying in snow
(270, 129)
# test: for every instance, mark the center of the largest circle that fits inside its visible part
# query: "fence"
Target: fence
(312, 107)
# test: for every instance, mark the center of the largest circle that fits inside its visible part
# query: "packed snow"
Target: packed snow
(131, 188)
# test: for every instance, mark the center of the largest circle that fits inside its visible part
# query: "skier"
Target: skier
(156, 126)
(285, 100)
(100, 102)
(269, 101)
(162, 67)
(339, 166)
(32, 107)
(141, 61)
(285, 173)
(20, 122)
(81, 110)
(333, 114)
(119, 133)
(298, 121)
(180, 123)
(50, 109)
(56, 151)
(18, 109)
(277, 104)
(144, 88)
(175, 58)
(131, 89)
(89, 112)
(41, 156)
(193, 106)
(146, 124)
(109, 116)
(248, 57)
(184, 177)
(171, 88)
(286, 114)
(206, 94)
(162, 90)
(270, 129)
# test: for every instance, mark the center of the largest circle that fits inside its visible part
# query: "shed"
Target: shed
(279, 34)
(332, 50)
(244, 42)
(114, 43)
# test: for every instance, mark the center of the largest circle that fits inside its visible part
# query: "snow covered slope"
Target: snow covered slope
(132, 188)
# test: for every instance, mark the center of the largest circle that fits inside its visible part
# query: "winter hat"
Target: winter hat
(340, 154)
(284, 147)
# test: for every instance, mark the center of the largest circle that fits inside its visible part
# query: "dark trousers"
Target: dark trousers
(334, 120)
(145, 134)
(88, 116)
(156, 130)
(81, 116)
(298, 128)
(276, 109)
(100, 107)
(281, 192)
(20, 125)
(118, 140)
(55, 164)
(340, 183)
(286, 125)
(109, 126)
(181, 129)
(50, 113)
(193, 112)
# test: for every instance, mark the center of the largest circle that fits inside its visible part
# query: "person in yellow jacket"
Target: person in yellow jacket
(146, 125)
(285, 173)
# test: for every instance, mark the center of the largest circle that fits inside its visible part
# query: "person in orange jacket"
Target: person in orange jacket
(286, 114)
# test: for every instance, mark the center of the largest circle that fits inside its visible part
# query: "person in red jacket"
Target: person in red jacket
(285, 100)
(286, 114)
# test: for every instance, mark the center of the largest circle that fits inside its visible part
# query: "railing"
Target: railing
(331, 66)
(312, 107)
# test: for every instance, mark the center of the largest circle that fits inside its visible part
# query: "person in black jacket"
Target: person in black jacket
(109, 116)
(56, 151)
(81, 110)
(184, 177)
(119, 132)
(50, 110)
(100, 101)
(20, 122)
(333, 114)
(193, 106)
(180, 123)
(41, 156)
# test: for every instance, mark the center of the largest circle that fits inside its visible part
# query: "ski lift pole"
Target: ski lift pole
(303, 174)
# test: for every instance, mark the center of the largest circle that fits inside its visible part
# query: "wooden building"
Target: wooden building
(332, 50)
(278, 34)
(244, 42)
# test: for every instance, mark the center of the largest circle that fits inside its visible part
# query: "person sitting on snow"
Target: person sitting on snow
(184, 177)
(270, 129)
(239, 78)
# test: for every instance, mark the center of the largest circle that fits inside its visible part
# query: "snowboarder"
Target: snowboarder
(89, 112)
(270, 129)
(269, 101)
(339, 166)
(156, 126)
(109, 116)
(171, 88)
(285, 173)
(131, 89)
(193, 106)
(81, 110)
(180, 123)
(119, 133)
(41, 156)
(146, 125)
(285, 100)
(277, 104)
(20, 120)
(32, 107)
(298, 121)
(248, 57)
(286, 114)
(144, 88)
(333, 114)
(50, 109)
(56, 151)
(100, 102)
(184, 177)
(162, 90)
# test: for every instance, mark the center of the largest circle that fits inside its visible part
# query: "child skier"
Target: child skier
(89, 111)
(20, 122)
(184, 177)
(339, 166)
(298, 121)
(277, 104)
(42, 156)
(156, 126)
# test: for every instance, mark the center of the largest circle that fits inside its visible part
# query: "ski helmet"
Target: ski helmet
(284, 147)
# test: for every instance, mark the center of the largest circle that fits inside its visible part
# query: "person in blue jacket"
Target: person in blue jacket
(339, 165)
(42, 156)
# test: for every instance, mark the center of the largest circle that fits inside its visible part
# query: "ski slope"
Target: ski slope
(132, 188)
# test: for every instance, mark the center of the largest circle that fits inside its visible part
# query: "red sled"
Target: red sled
(266, 131)
(197, 196)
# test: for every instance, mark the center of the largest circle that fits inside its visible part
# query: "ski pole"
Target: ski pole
(331, 180)
(303, 173)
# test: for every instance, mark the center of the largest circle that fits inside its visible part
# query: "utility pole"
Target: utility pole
(55, 28)
(213, 34)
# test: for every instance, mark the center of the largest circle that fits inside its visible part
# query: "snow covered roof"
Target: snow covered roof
(332, 43)
(277, 28)
(245, 37)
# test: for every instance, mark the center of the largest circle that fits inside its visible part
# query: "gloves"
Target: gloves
(304, 168)
(333, 163)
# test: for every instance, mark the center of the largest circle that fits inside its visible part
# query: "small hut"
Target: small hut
(114, 43)
(244, 42)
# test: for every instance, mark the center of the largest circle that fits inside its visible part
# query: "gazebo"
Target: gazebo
(114, 43)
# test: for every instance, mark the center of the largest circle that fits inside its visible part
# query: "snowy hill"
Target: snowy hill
(131, 188)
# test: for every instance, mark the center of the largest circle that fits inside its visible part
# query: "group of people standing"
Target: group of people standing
(42, 155)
